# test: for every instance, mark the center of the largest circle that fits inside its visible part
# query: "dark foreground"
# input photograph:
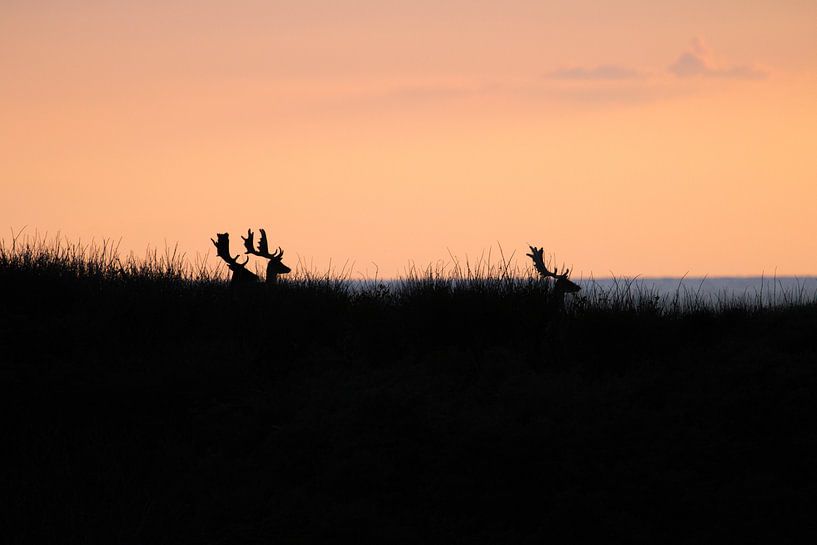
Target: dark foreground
(151, 412)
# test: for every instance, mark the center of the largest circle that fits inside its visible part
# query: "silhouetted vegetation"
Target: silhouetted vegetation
(146, 401)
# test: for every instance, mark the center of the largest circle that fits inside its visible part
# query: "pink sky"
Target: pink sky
(654, 138)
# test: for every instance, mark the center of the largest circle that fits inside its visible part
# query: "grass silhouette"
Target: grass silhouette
(145, 401)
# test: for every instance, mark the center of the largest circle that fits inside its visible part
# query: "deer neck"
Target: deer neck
(272, 274)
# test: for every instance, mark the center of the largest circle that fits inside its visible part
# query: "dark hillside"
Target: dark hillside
(147, 407)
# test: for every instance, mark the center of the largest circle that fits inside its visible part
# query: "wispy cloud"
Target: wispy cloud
(602, 85)
(601, 72)
(699, 61)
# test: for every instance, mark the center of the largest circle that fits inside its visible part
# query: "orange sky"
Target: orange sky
(630, 137)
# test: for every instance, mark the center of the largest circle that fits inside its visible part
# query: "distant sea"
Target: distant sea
(769, 289)
(772, 290)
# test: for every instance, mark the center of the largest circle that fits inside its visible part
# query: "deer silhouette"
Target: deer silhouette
(274, 265)
(240, 273)
(563, 283)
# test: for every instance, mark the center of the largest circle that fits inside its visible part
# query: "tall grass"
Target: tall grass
(57, 257)
(490, 278)
(148, 402)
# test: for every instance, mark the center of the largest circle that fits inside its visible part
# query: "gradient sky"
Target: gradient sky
(633, 137)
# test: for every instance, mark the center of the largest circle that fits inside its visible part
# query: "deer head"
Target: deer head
(240, 273)
(274, 266)
(563, 284)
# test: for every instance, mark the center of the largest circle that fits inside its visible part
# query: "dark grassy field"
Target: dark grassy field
(144, 403)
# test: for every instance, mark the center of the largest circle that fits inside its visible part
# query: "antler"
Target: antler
(223, 251)
(539, 263)
(263, 246)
